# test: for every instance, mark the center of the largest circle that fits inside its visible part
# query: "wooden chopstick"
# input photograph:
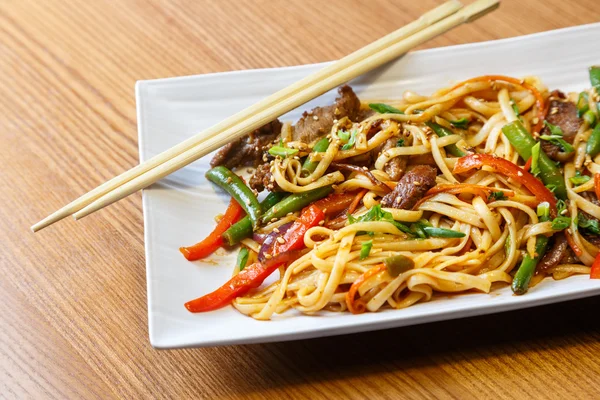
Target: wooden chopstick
(426, 19)
(391, 46)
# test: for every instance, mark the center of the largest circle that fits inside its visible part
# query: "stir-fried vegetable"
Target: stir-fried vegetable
(214, 240)
(365, 249)
(320, 147)
(253, 276)
(582, 104)
(511, 170)
(595, 77)
(556, 137)
(335, 203)
(462, 123)
(579, 179)
(441, 132)
(520, 283)
(431, 231)
(398, 264)
(593, 143)
(358, 306)
(234, 185)
(595, 271)
(524, 142)
(384, 108)
(243, 228)
(242, 259)
(282, 151)
(295, 202)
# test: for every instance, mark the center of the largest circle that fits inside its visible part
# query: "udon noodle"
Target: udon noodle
(495, 217)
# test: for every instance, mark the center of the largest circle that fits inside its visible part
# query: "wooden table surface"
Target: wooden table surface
(73, 320)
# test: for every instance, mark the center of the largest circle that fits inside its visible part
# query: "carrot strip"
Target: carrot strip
(358, 306)
(527, 166)
(597, 185)
(540, 102)
(356, 201)
(595, 271)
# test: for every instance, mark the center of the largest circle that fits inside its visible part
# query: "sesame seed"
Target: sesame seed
(316, 118)
(290, 213)
(564, 212)
(280, 240)
(276, 230)
(554, 111)
(335, 121)
(321, 222)
(535, 120)
(417, 183)
(520, 173)
(365, 168)
(229, 180)
(273, 219)
(334, 187)
(268, 256)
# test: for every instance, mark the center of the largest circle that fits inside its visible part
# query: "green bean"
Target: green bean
(242, 258)
(593, 143)
(443, 131)
(523, 142)
(320, 147)
(382, 108)
(595, 77)
(234, 185)
(582, 104)
(282, 151)
(243, 228)
(520, 283)
(442, 232)
(295, 202)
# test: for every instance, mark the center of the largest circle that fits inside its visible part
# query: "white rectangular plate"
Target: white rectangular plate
(180, 209)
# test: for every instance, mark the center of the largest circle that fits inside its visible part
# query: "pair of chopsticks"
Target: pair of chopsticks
(431, 24)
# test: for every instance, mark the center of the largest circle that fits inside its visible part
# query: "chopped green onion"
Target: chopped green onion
(543, 210)
(282, 151)
(579, 179)
(343, 135)
(590, 225)
(398, 264)
(365, 249)
(400, 143)
(554, 130)
(557, 137)
(535, 159)
(242, 258)
(310, 166)
(384, 108)
(351, 141)
(560, 223)
(515, 107)
(460, 123)
(442, 232)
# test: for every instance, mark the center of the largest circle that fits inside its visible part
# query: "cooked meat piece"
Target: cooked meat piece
(555, 254)
(563, 114)
(590, 196)
(396, 166)
(569, 257)
(411, 188)
(593, 239)
(249, 149)
(317, 123)
(263, 179)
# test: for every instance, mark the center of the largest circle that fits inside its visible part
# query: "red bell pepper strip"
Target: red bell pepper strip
(597, 185)
(249, 278)
(335, 203)
(254, 275)
(527, 166)
(595, 272)
(510, 170)
(293, 238)
(208, 246)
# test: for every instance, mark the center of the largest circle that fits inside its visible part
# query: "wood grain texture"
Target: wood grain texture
(73, 318)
